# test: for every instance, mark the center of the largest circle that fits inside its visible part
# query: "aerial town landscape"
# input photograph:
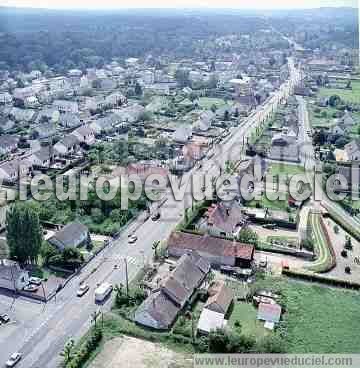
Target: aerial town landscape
(177, 182)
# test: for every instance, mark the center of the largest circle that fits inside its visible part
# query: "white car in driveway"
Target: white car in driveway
(13, 360)
(35, 281)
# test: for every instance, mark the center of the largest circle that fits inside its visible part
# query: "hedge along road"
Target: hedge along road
(322, 250)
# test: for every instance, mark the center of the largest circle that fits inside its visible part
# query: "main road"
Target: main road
(67, 316)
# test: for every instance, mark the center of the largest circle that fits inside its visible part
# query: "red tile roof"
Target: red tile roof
(212, 245)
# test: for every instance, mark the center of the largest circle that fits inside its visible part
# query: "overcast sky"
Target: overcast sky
(234, 4)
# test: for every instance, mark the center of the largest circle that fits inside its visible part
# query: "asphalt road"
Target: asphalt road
(42, 338)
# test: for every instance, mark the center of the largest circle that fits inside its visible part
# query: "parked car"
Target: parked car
(4, 318)
(83, 289)
(13, 360)
(132, 239)
(31, 288)
(35, 280)
(155, 216)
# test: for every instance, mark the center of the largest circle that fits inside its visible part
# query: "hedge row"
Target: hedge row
(332, 281)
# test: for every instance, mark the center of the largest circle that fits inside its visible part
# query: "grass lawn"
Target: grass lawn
(318, 319)
(280, 169)
(207, 102)
(246, 314)
(281, 205)
(318, 121)
(346, 95)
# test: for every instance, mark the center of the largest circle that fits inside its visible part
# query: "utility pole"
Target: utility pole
(127, 277)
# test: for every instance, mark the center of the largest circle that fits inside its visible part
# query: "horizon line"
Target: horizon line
(204, 8)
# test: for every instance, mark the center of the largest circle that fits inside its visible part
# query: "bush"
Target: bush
(82, 355)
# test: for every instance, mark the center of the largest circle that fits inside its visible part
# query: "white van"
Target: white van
(102, 291)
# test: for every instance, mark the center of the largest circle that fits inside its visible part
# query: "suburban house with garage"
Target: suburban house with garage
(67, 145)
(222, 219)
(85, 135)
(72, 235)
(8, 143)
(160, 310)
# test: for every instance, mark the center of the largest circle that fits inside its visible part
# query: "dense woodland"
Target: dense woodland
(33, 39)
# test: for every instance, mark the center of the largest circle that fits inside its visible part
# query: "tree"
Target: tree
(248, 236)
(67, 352)
(348, 243)
(334, 101)
(24, 233)
(155, 246)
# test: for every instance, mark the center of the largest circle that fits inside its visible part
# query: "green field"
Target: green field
(280, 169)
(281, 205)
(318, 121)
(318, 319)
(207, 102)
(346, 95)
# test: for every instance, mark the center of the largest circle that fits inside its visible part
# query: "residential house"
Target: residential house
(68, 145)
(348, 120)
(48, 115)
(8, 143)
(42, 157)
(352, 150)
(6, 98)
(194, 151)
(115, 99)
(44, 131)
(246, 103)
(352, 175)
(219, 252)
(7, 124)
(12, 276)
(220, 298)
(157, 312)
(270, 313)
(95, 103)
(255, 167)
(65, 106)
(104, 125)
(210, 321)
(69, 120)
(284, 148)
(223, 219)
(22, 115)
(72, 235)
(131, 114)
(183, 134)
(11, 171)
(161, 308)
(84, 134)
(31, 102)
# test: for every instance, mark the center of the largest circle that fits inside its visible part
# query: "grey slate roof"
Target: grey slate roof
(67, 237)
